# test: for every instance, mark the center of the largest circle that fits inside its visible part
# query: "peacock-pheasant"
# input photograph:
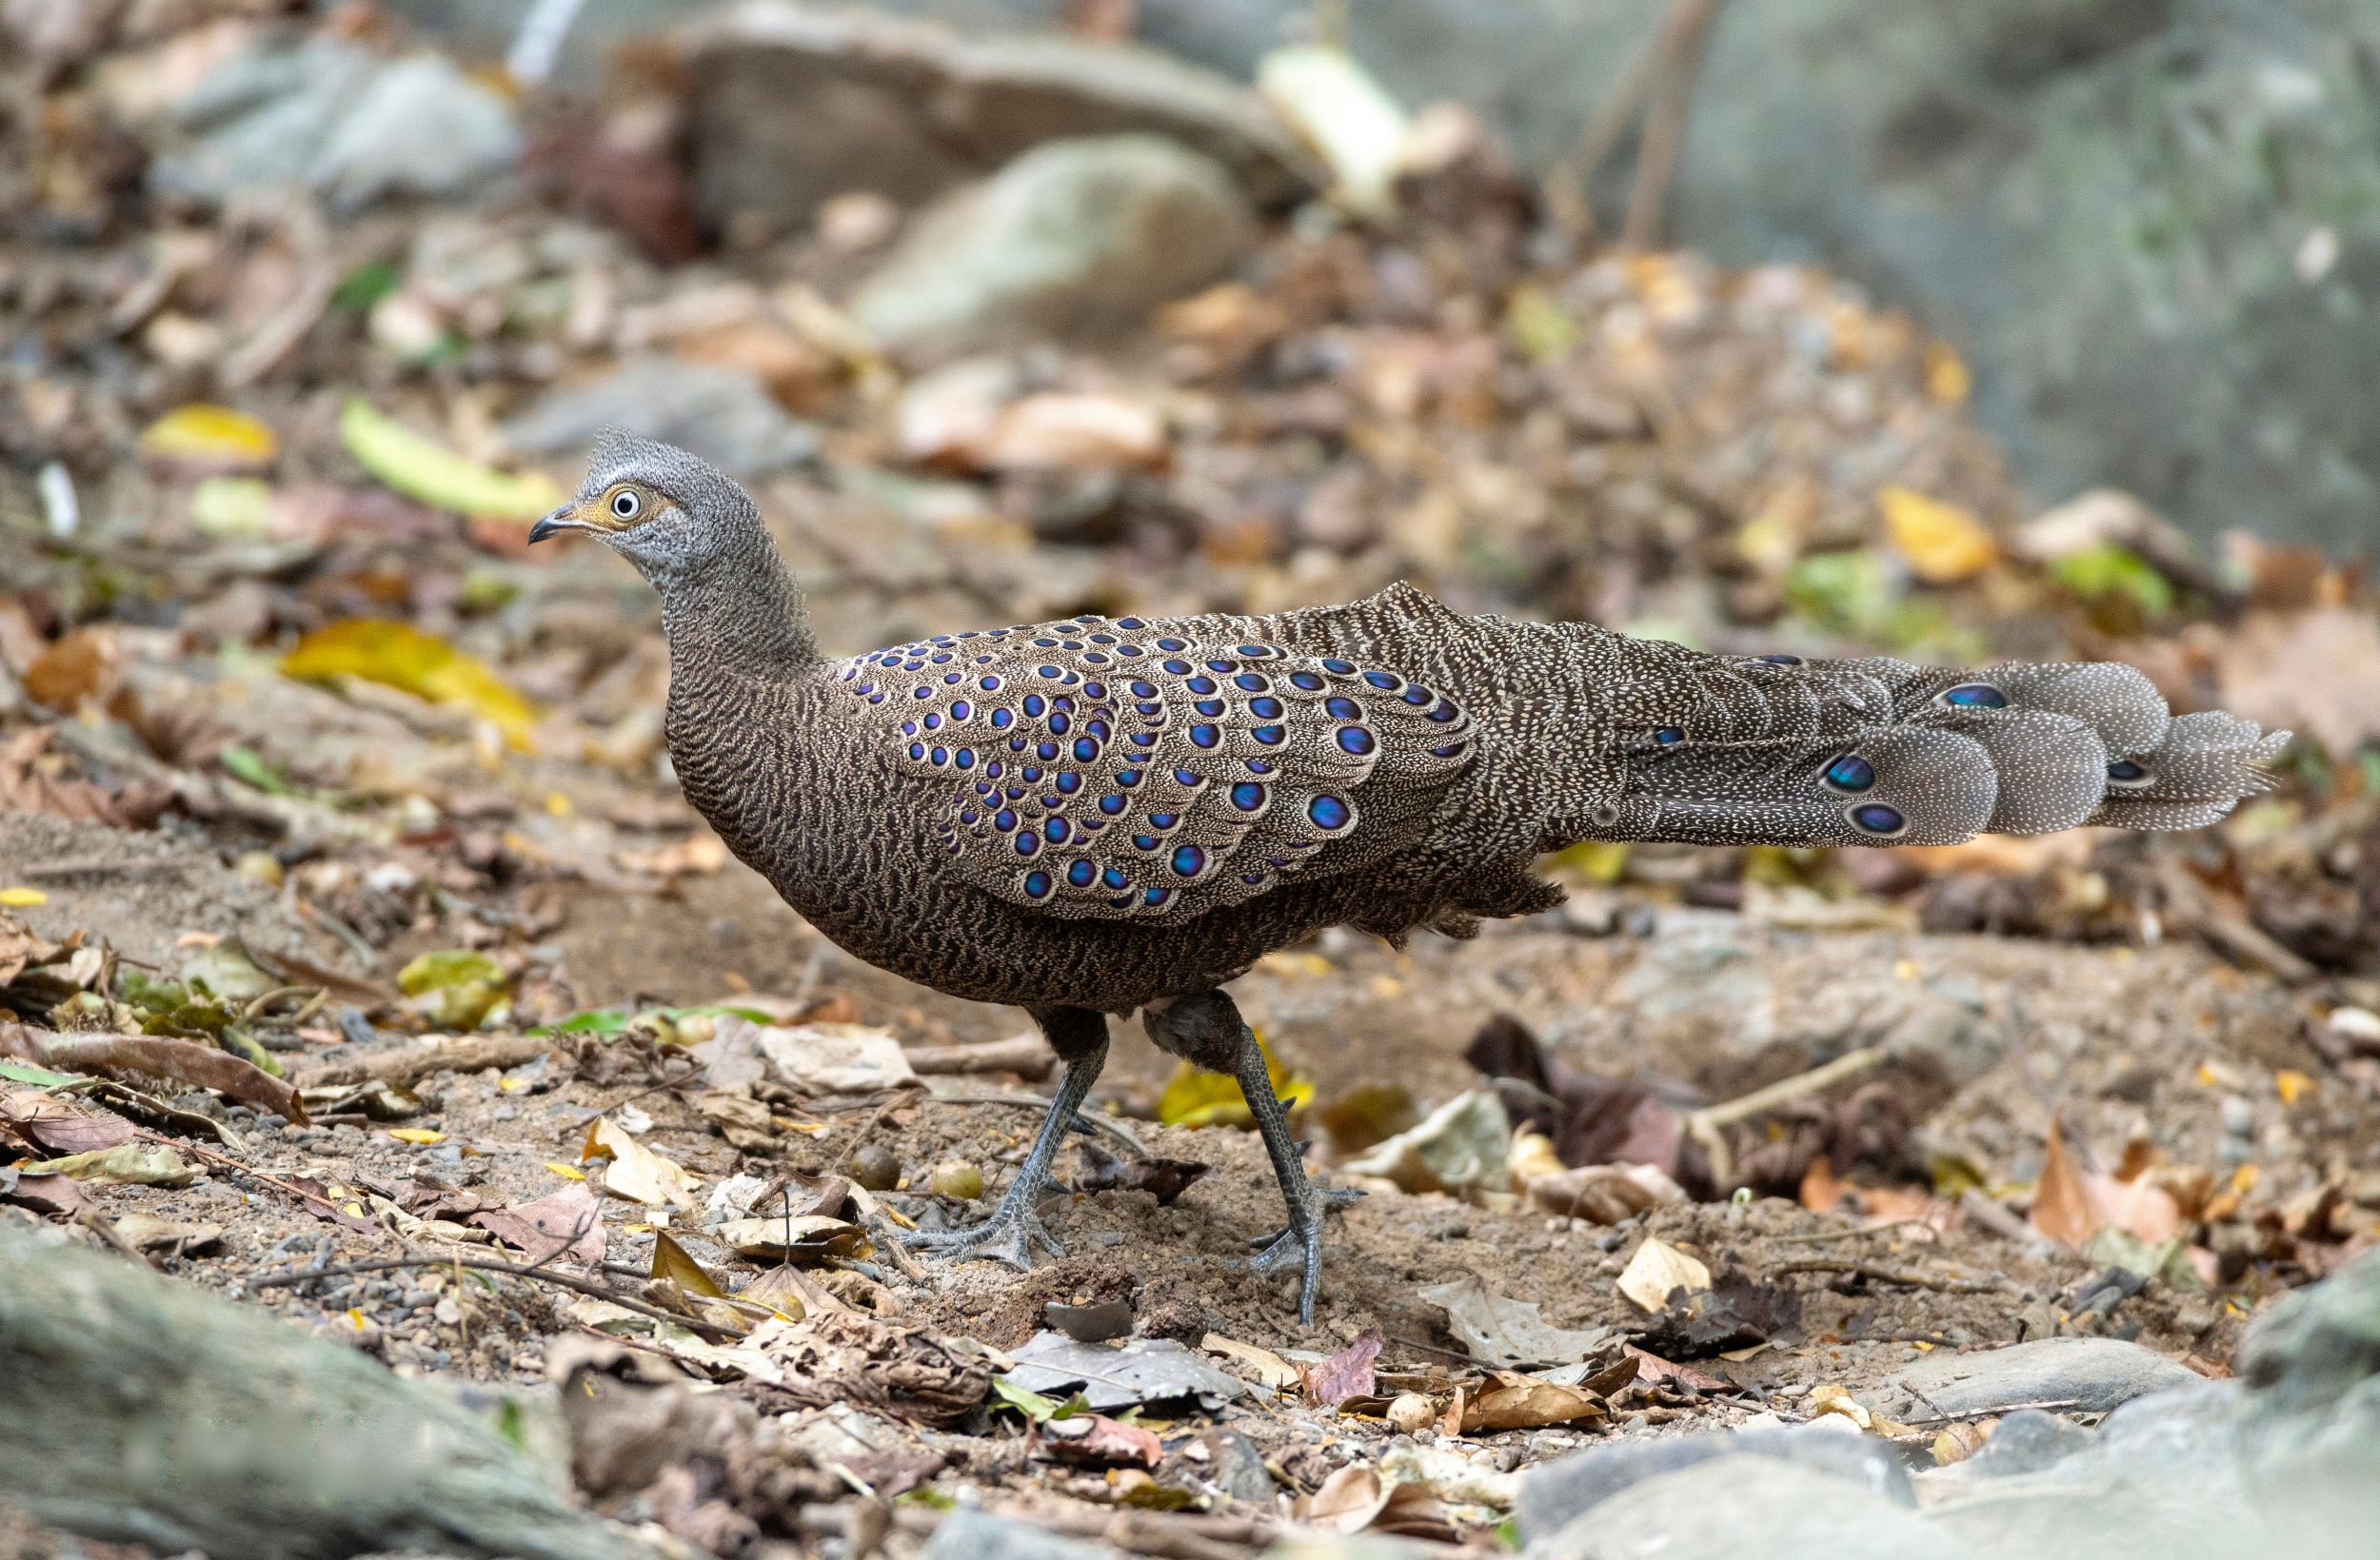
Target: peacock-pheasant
(1115, 815)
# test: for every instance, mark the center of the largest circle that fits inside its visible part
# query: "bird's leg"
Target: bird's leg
(1079, 1036)
(1207, 1030)
(1308, 1199)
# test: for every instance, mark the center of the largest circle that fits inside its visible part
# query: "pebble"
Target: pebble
(2083, 1375)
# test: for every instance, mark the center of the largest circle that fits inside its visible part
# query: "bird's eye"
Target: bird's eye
(626, 504)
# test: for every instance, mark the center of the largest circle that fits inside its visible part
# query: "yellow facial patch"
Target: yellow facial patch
(619, 508)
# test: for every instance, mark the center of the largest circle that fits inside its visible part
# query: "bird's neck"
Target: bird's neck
(737, 612)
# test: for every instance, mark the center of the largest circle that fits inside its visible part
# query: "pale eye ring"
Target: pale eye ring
(626, 504)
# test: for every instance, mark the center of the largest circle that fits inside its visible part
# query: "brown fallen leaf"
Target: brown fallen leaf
(41, 1192)
(800, 1237)
(1101, 1442)
(323, 1205)
(1347, 1373)
(2071, 1204)
(1262, 1365)
(1509, 1400)
(127, 1164)
(51, 1126)
(1657, 1270)
(567, 1223)
(1163, 1179)
(148, 1232)
(670, 1262)
(1349, 1499)
(22, 949)
(1653, 1368)
(155, 1055)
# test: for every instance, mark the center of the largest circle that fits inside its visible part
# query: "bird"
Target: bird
(1093, 818)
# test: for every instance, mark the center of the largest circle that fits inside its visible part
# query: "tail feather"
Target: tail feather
(1877, 751)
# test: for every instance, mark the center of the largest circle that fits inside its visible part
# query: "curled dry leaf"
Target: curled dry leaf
(1349, 1499)
(155, 1055)
(1501, 1330)
(638, 1173)
(1097, 1440)
(1512, 1401)
(50, 1125)
(843, 1356)
(1262, 1365)
(127, 1164)
(2071, 1205)
(41, 1192)
(802, 1238)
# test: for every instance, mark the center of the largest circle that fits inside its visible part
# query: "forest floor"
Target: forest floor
(347, 816)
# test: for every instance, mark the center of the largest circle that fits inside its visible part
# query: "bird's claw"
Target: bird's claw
(1301, 1244)
(1009, 1235)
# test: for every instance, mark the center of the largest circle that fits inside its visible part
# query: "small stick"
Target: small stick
(1886, 1273)
(1705, 1125)
(1850, 1234)
(1104, 1123)
(488, 1264)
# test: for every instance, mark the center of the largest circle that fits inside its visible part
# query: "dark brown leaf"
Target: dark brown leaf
(1347, 1373)
(56, 1128)
(154, 1056)
(1163, 1179)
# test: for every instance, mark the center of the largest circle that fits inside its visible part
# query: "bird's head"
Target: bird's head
(668, 512)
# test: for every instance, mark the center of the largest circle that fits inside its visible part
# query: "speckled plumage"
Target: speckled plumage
(1100, 816)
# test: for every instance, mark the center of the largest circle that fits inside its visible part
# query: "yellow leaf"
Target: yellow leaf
(416, 1135)
(670, 1261)
(1658, 1267)
(400, 656)
(1942, 543)
(420, 468)
(22, 899)
(561, 1169)
(1538, 325)
(2289, 1083)
(1194, 1097)
(215, 437)
(1947, 378)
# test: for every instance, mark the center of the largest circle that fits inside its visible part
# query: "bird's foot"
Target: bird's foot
(1301, 1243)
(1009, 1235)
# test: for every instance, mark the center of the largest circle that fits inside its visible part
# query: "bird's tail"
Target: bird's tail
(1736, 750)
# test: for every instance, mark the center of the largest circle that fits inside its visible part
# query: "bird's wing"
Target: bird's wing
(1112, 769)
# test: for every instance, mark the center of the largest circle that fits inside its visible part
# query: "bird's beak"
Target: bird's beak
(565, 519)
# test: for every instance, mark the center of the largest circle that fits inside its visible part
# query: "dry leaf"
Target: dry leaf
(50, 1125)
(566, 1223)
(420, 468)
(671, 1262)
(1349, 1499)
(1268, 1369)
(638, 1173)
(150, 1233)
(1941, 542)
(1501, 1330)
(153, 1056)
(127, 1164)
(2070, 1204)
(202, 437)
(1096, 1439)
(802, 1238)
(1655, 1270)
(1347, 1373)
(1512, 1401)
(400, 656)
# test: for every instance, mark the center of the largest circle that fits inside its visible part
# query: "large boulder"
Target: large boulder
(800, 102)
(1072, 239)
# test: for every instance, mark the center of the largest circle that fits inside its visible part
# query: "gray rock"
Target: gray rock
(1747, 1507)
(1236, 1466)
(969, 1534)
(2080, 1375)
(341, 120)
(724, 415)
(2026, 1441)
(1555, 1495)
(801, 103)
(2316, 1345)
(1072, 239)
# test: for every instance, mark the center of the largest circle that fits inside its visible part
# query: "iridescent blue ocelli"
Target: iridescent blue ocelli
(1205, 736)
(1250, 682)
(1247, 795)
(1112, 803)
(2127, 772)
(1270, 736)
(1980, 696)
(1328, 812)
(1027, 843)
(1668, 736)
(1036, 885)
(1081, 872)
(1156, 898)
(1875, 817)
(1850, 773)
(1384, 679)
(1114, 877)
(1188, 861)
(1355, 740)
(1297, 680)
(1332, 663)
(1343, 709)
(1266, 709)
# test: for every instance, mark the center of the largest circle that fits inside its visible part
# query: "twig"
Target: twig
(1886, 1273)
(488, 1264)
(410, 1064)
(1850, 1234)
(1688, 29)
(1028, 1054)
(1104, 1123)
(1703, 1125)
(1996, 1408)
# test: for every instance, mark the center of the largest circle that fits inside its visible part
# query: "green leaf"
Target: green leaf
(2110, 570)
(245, 766)
(364, 285)
(41, 1077)
(1034, 1406)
